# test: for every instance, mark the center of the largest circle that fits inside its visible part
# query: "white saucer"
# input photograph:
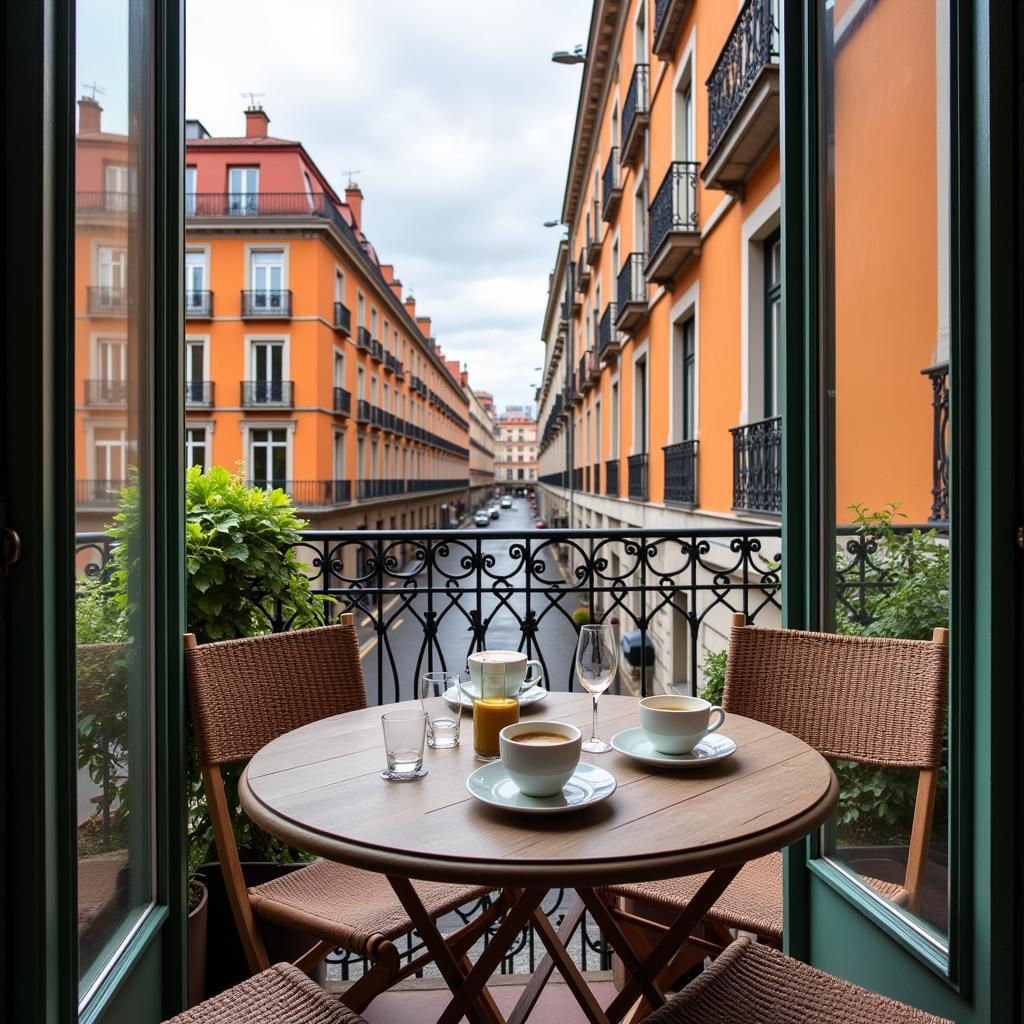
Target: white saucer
(633, 743)
(530, 696)
(588, 785)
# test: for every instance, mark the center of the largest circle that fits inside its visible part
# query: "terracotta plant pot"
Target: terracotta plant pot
(197, 925)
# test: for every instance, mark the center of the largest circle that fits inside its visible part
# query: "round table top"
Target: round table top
(319, 788)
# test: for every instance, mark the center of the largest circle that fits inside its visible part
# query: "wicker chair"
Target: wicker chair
(750, 983)
(280, 995)
(864, 699)
(245, 693)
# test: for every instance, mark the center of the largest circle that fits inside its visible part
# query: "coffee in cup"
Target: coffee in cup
(675, 724)
(540, 757)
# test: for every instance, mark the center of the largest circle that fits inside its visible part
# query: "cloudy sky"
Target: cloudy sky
(458, 124)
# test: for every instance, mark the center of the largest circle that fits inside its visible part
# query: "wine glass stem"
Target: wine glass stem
(593, 730)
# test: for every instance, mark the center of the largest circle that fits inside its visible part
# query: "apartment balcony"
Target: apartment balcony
(636, 113)
(342, 402)
(390, 363)
(594, 243)
(637, 468)
(757, 467)
(674, 231)
(582, 271)
(399, 370)
(199, 394)
(573, 394)
(363, 408)
(608, 339)
(743, 98)
(268, 304)
(106, 393)
(310, 493)
(98, 493)
(198, 305)
(595, 478)
(342, 319)
(583, 376)
(376, 351)
(415, 383)
(611, 478)
(669, 17)
(632, 294)
(106, 202)
(363, 339)
(258, 394)
(611, 186)
(681, 473)
(104, 301)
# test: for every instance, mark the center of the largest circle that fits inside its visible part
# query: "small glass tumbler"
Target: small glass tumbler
(405, 731)
(442, 718)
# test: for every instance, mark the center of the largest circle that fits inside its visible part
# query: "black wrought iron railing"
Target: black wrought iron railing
(310, 492)
(611, 478)
(752, 44)
(199, 304)
(367, 490)
(376, 351)
(106, 392)
(637, 99)
(595, 478)
(363, 339)
(342, 402)
(342, 318)
(757, 466)
(363, 410)
(267, 392)
(681, 473)
(611, 183)
(939, 377)
(104, 300)
(632, 283)
(273, 303)
(607, 332)
(390, 363)
(106, 202)
(637, 468)
(675, 204)
(198, 394)
(98, 492)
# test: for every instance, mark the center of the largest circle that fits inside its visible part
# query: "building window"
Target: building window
(195, 447)
(689, 361)
(190, 191)
(339, 286)
(112, 361)
(268, 457)
(195, 371)
(110, 267)
(267, 279)
(339, 456)
(360, 310)
(243, 190)
(110, 453)
(640, 407)
(772, 321)
(268, 371)
(195, 281)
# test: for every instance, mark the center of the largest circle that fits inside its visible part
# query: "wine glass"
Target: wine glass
(597, 658)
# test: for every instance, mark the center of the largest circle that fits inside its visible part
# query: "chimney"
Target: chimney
(396, 287)
(89, 114)
(354, 198)
(256, 122)
(388, 270)
(423, 323)
(410, 306)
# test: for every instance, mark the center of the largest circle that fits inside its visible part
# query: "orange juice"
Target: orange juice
(490, 716)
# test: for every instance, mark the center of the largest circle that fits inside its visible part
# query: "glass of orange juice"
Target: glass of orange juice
(496, 706)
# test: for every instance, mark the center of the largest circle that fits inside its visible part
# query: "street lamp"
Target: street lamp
(564, 57)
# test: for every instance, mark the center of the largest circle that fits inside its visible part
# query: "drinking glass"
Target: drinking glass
(442, 718)
(597, 658)
(405, 731)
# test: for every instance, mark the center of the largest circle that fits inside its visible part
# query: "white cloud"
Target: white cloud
(458, 123)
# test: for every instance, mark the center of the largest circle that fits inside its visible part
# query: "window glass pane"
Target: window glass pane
(112, 351)
(886, 305)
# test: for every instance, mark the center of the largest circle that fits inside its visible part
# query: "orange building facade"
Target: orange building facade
(659, 404)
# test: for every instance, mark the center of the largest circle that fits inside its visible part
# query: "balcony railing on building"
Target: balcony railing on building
(608, 339)
(582, 271)
(257, 393)
(363, 339)
(199, 305)
(370, 490)
(342, 402)
(106, 392)
(611, 186)
(595, 478)
(376, 351)
(939, 377)
(638, 477)
(757, 466)
(363, 411)
(106, 301)
(632, 293)
(106, 202)
(102, 493)
(674, 230)
(669, 17)
(583, 374)
(268, 303)
(636, 113)
(342, 319)
(743, 98)
(681, 473)
(573, 395)
(391, 363)
(594, 243)
(198, 394)
(310, 493)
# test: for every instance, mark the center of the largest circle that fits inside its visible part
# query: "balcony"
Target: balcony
(611, 186)
(260, 393)
(611, 478)
(582, 271)
(105, 301)
(636, 113)
(390, 362)
(594, 242)
(608, 339)
(342, 319)
(595, 478)
(363, 339)
(681, 473)
(757, 467)
(98, 493)
(363, 411)
(638, 477)
(573, 395)
(199, 394)
(311, 493)
(743, 98)
(342, 402)
(669, 16)
(674, 231)
(268, 304)
(376, 351)
(399, 370)
(632, 294)
(198, 305)
(106, 393)
(584, 378)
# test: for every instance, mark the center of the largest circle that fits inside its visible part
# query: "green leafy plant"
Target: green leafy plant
(713, 671)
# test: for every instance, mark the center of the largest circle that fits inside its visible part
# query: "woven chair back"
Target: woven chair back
(245, 693)
(865, 699)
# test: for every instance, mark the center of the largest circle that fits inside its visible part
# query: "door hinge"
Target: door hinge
(1020, 537)
(10, 548)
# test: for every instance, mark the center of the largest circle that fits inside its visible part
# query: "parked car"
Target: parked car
(481, 519)
(540, 525)
(494, 512)
(506, 502)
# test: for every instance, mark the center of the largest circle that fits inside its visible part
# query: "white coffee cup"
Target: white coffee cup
(540, 769)
(514, 664)
(675, 724)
